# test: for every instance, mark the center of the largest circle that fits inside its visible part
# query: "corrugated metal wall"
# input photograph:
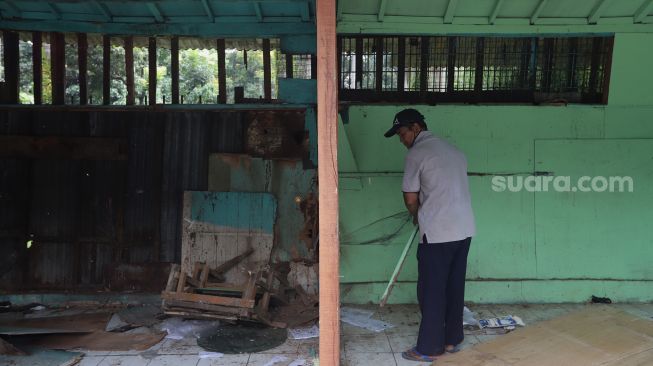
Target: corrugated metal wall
(84, 214)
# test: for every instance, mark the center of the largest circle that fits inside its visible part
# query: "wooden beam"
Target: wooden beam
(327, 142)
(11, 63)
(305, 12)
(222, 72)
(313, 66)
(54, 10)
(37, 66)
(598, 10)
(382, 6)
(103, 10)
(358, 63)
(151, 80)
(155, 12)
(495, 11)
(608, 68)
(174, 66)
(82, 62)
(451, 10)
(259, 12)
(129, 69)
(58, 67)
(208, 299)
(643, 11)
(106, 69)
(63, 147)
(267, 70)
(538, 10)
(207, 9)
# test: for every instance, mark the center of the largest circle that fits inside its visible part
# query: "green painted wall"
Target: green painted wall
(529, 247)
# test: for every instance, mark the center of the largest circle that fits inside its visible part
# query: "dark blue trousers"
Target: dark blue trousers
(441, 293)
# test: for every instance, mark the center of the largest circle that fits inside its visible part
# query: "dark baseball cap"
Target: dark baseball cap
(404, 118)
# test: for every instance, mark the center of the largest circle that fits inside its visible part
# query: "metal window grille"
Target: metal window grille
(348, 63)
(474, 69)
(413, 58)
(390, 71)
(438, 71)
(368, 72)
(301, 65)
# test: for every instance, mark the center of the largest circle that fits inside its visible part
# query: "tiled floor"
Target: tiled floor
(359, 346)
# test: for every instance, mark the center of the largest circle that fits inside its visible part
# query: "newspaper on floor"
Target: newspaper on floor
(506, 322)
(363, 319)
(304, 333)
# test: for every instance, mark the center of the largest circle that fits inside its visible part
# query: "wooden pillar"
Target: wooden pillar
(37, 66)
(267, 70)
(327, 144)
(11, 62)
(222, 73)
(106, 69)
(82, 61)
(152, 75)
(58, 67)
(174, 66)
(129, 70)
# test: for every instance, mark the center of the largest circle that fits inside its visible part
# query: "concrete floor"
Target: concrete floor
(358, 346)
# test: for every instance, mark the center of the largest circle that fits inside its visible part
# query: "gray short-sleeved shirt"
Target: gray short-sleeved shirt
(438, 171)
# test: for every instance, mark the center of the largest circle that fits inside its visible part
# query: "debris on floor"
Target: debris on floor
(508, 322)
(43, 357)
(178, 328)
(195, 297)
(304, 333)
(363, 319)
(245, 337)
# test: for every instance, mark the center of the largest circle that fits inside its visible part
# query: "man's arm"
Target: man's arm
(411, 200)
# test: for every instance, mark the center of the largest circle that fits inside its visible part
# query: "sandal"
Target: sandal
(455, 349)
(413, 355)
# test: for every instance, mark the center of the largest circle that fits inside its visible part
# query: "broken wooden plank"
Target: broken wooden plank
(204, 275)
(205, 307)
(224, 267)
(173, 277)
(200, 315)
(208, 299)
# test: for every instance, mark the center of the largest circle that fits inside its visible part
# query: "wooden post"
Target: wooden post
(11, 62)
(222, 73)
(314, 66)
(327, 137)
(152, 74)
(129, 69)
(174, 66)
(289, 66)
(82, 61)
(267, 70)
(58, 67)
(106, 70)
(37, 66)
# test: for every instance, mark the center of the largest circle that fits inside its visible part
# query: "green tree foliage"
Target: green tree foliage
(198, 74)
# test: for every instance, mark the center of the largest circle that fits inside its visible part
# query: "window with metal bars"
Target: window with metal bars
(466, 69)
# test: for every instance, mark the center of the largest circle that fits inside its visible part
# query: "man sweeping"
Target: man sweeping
(436, 193)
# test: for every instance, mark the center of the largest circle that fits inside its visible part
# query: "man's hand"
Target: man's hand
(411, 200)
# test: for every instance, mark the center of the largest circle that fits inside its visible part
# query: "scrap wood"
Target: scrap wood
(170, 304)
(209, 299)
(101, 341)
(81, 323)
(224, 267)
